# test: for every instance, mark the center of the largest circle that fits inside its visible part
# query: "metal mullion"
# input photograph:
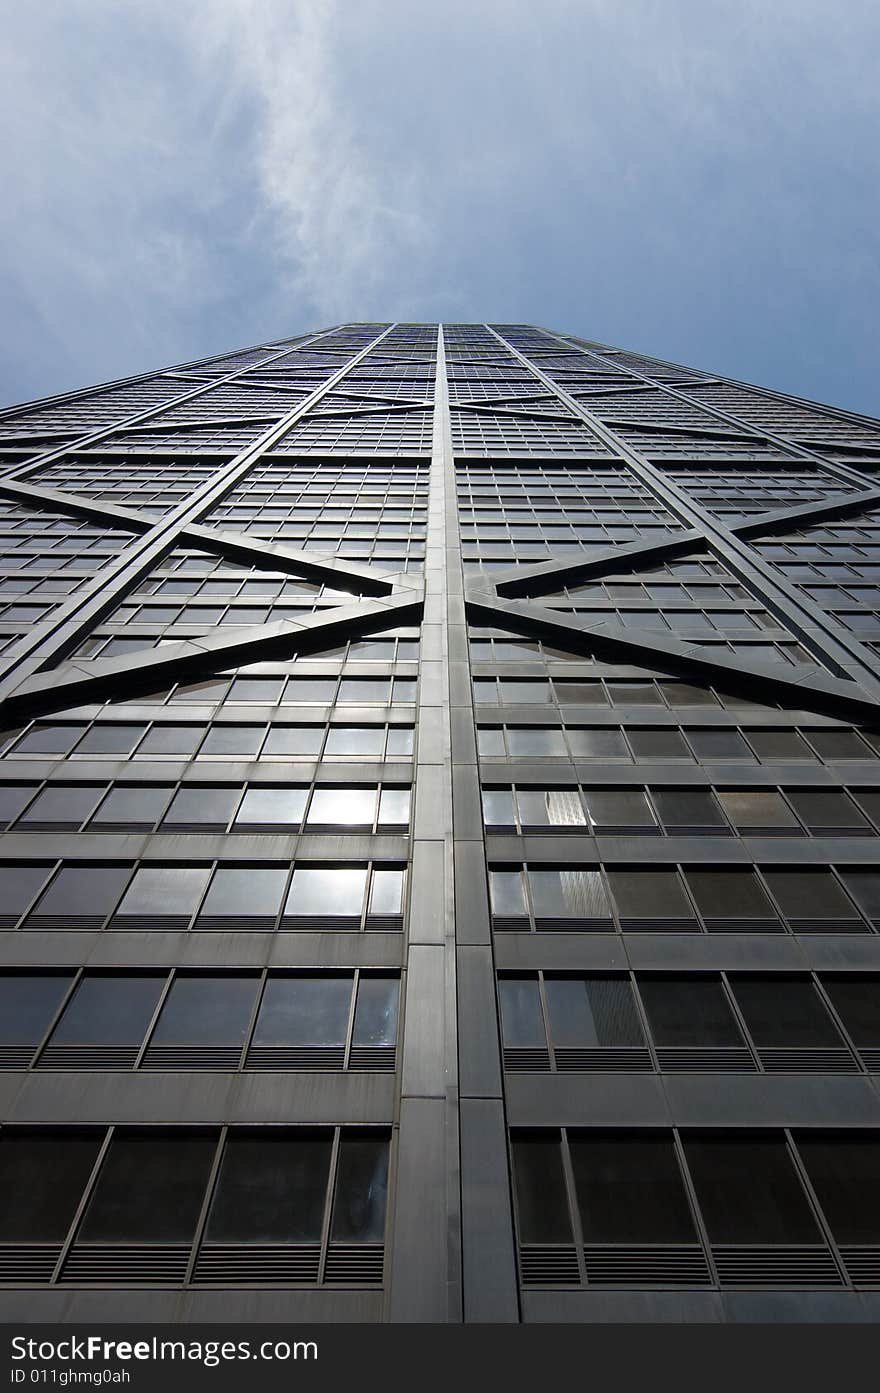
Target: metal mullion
(84, 1201)
(545, 1013)
(170, 978)
(66, 999)
(632, 978)
(573, 1206)
(352, 1009)
(252, 1021)
(720, 539)
(693, 1201)
(819, 987)
(730, 996)
(822, 1223)
(207, 1199)
(329, 1202)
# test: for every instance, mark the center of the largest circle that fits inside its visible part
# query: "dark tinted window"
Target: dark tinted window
(244, 892)
(809, 894)
(857, 1002)
(210, 803)
(18, 885)
(748, 1191)
(630, 1190)
(206, 1009)
(42, 1177)
(592, 1011)
(63, 803)
(685, 807)
(306, 1010)
(271, 1189)
(164, 890)
(521, 1017)
(150, 1188)
(689, 1011)
(84, 891)
(783, 1011)
(541, 1202)
(729, 894)
(361, 1190)
(137, 804)
(649, 894)
(845, 1173)
(273, 806)
(375, 1021)
(28, 1004)
(113, 1010)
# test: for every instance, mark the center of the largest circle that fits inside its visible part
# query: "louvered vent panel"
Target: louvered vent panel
(526, 1061)
(618, 1060)
(862, 1264)
(354, 1264)
(234, 923)
(319, 922)
(175, 1058)
(88, 1057)
(744, 926)
(281, 1264)
(680, 1265)
(16, 1056)
(647, 926)
(679, 1060)
(28, 1262)
(510, 923)
(547, 1266)
(741, 1265)
(311, 1059)
(827, 926)
(159, 1264)
(871, 1059)
(564, 924)
(196, 827)
(381, 1058)
(384, 923)
(808, 1061)
(147, 923)
(80, 922)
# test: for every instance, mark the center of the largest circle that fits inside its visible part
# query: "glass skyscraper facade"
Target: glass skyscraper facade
(439, 876)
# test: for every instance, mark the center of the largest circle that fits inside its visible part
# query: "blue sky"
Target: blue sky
(695, 180)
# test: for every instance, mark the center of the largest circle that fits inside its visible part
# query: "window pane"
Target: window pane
(490, 741)
(84, 891)
(203, 803)
(719, 744)
(580, 694)
(649, 894)
(748, 1191)
(355, 740)
(630, 1191)
(375, 1021)
(343, 806)
(272, 807)
(617, 808)
(864, 886)
(596, 744)
(327, 890)
(845, 1173)
(27, 1005)
(293, 740)
(550, 808)
(809, 894)
(208, 1009)
(506, 891)
(138, 804)
(685, 807)
(42, 1177)
(729, 895)
(820, 808)
(689, 1011)
(164, 890)
(535, 740)
(171, 740)
(857, 1002)
(570, 894)
(658, 744)
(522, 1020)
(361, 1190)
(839, 744)
(400, 742)
(63, 803)
(18, 885)
(150, 1189)
(783, 1011)
(765, 809)
(386, 893)
(541, 1201)
(271, 1189)
(592, 1011)
(49, 739)
(309, 1010)
(110, 1010)
(245, 892)
(778, 744)
(110, 739)
(235, 741)
(14, 797)
(394, 807)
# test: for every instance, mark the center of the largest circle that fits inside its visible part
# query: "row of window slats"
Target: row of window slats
(216, 1264)
(686, 1265)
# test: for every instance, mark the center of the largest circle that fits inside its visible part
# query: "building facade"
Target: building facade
(439, 877)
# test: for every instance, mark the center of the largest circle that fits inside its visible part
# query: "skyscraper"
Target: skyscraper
(441, 790)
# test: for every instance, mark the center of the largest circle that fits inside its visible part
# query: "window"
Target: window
(826, 811)
(80, 896)
(857, 1001)
(574, 894)
(506, 893)
(601, 744)
(540, 808)
(844, 1171)
(326, 891)
(748, 1191)
(535, 740)
(150, 1188)
(208, 1008)
(42, 1177)
(310, 1009)
(131, 807)
(649, 895)
(522, 1020)
(609, 810)
(271, 1188)
(758, 812)
(110, 739)
(271, 809)
(658, 744)
(61, 806)
(771, 745)
(731, 895)
(684, 810)
(28, 1004)
(242, 896)
(109, 1010)
(629, 1190)
(201, 806)
(864, 886)
(49, 739)
(293, 740)
(586, 1011)
(719, 744)
(13, 798)
(809, 897)
(342, 807)
(361, 1189)
(784, 1011)
(541, 1199)
(233, 742)
(18, 886)
(839, 744)
(178, 741)
(165, 893)
(689, 1011)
